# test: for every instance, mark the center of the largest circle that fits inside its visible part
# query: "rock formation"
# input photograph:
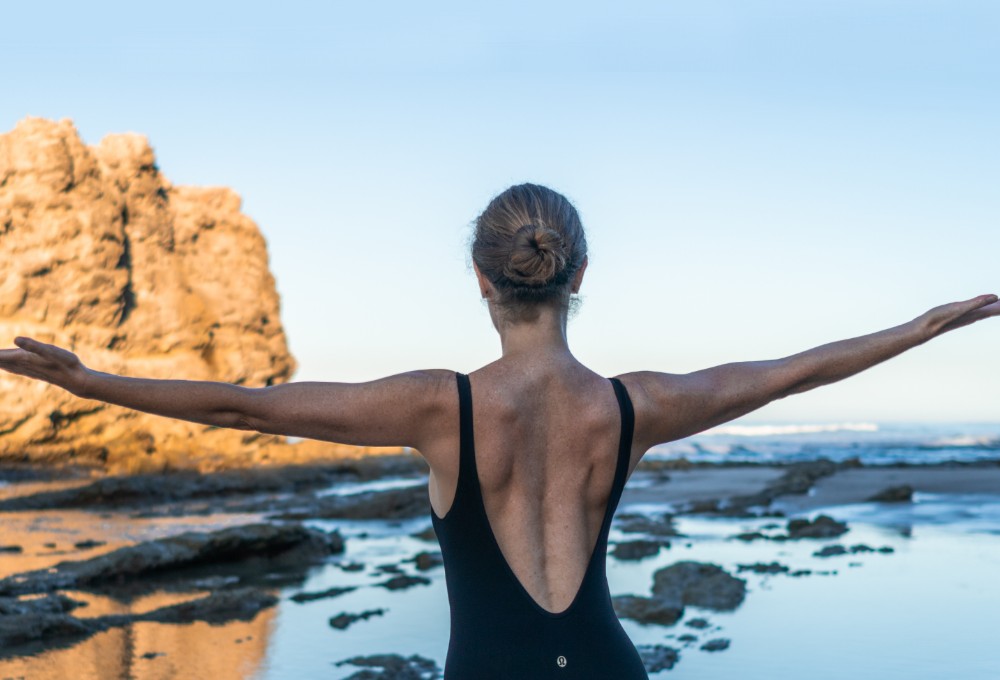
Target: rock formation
(102, 255)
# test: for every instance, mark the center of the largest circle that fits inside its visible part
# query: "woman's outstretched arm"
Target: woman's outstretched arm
(672, 406)
(399, 410)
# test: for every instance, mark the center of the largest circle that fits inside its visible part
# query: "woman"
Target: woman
(528, 454)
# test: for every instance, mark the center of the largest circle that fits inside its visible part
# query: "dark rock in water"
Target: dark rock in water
(405, 581)
(750, 536)
(393, 667)
(426, 535)
(716, 645)
(657, 658)
(239, 604)
(687, 637)
(647, 609)
(706, 505)
(428, 560)
(838, 549)
(637, 550)
(823, 526)
(89, 543)
(11, 549)
(893, 494)
(322, 594)
(800, 572)
(46, 618)
(830, 550)
(389, 568)
(350, 566)
(56, 603)
(254, 542)
(153, 655)
(661, 525)
(762, 568)
(697, 623)
(344, 619)
(18, 629)
(699, 584)
(139, 491)
(411, 501)
(797, 479)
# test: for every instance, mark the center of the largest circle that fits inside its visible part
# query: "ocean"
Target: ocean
(870, 442)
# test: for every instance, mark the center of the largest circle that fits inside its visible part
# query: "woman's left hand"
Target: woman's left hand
(43, 361)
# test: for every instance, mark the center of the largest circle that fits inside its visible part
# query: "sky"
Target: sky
(755, 177)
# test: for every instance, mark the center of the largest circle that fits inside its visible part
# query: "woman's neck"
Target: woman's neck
(545, 335)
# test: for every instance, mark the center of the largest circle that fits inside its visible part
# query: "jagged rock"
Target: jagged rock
(17, 629)
(837, 549)
(239, 604)
(50, 603)
(323, 594)
(893, 494)
(716, 645)
(830, 550)
(47, 618)
(344, 619)
(102, 255)
(797, 479)
(233, 544)
(637, 550)
(237, 491)
(405, 581)
(697, 623)
(657, 658)
(428, 560)
(647, 609)
(823, 526)
(699, 584)
(404, 503)
(426, 534)
(393, 667)
(660, 525)
(762, 568)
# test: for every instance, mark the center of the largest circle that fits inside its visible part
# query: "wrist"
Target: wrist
(80, 382)
(920, 329)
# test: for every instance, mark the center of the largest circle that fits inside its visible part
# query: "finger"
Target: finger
(981, 300)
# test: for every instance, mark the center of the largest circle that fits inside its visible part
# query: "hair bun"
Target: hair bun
(537, 255)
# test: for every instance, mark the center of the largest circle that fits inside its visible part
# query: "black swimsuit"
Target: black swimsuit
(498, 631)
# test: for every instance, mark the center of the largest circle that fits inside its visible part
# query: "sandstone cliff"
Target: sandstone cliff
(101, 254)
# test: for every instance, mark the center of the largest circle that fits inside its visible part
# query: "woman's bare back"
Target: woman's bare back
(546, 442)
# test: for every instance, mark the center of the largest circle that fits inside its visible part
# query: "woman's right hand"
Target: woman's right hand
(948, 317)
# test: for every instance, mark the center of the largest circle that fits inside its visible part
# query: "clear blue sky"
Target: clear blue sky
(756, 178)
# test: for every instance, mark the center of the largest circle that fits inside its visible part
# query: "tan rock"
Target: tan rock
(100, 254)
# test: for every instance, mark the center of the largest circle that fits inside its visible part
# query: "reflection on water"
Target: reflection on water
(149, 651)
(47, 537)
(930, 609)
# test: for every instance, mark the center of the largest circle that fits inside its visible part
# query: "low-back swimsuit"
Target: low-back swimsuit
(498, 631)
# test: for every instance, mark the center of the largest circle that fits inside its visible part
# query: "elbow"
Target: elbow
(249, 413)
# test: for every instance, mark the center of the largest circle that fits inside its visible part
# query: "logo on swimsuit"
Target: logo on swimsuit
(561, 661)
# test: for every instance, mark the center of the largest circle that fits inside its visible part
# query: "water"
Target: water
(872, 443)
(929, 610)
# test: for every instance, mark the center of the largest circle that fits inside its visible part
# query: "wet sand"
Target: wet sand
(851, 485)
